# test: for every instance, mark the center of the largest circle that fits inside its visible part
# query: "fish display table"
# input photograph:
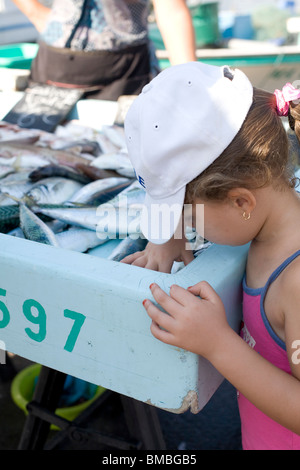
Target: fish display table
(81, 314)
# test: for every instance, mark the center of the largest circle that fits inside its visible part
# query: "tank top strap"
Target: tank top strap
(271, 279)
(280, 268)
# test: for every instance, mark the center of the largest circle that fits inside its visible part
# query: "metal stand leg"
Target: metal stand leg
(143, 423)
(141, 420)
(47, 393)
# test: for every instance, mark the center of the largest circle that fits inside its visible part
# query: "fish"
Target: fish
(34, 228)
(70, 190)
(116, 135)
(108, 221)
(52, 190)
(23, 161)
(58, 170)
(9, 218)
(78, 239)
(15, 184)
(5, 170)
(21, 140)
(16, 176)
(15, 149)
(81, 146)
(75, 239)
(16, 232)
(132, 195)
(79, 216)
(126, 247)
(119, 162)
(13, 132)
(55, 225)
(13, 192)
(95, 173)
(95, 190)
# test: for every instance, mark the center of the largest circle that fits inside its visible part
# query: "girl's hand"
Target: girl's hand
(161, 257)
(192, 323)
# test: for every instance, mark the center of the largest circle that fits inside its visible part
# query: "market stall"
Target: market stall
(81, 313)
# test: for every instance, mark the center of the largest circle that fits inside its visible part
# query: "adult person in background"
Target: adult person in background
(102, 46)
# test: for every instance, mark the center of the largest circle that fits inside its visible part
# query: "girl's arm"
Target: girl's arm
(36, 12)
(175, 24)
(199, 325)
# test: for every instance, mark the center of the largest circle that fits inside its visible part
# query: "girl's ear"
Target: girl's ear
(243, 199)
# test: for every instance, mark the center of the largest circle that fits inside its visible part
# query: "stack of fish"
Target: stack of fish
(61, 188)
(74, 189)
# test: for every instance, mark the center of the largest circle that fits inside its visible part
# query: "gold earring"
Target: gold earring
(246, 217)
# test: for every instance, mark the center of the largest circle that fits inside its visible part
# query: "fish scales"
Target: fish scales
(34, 228)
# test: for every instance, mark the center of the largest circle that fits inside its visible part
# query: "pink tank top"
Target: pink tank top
(259, 432)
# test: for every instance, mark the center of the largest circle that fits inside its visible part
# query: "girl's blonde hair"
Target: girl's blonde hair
(257, 156)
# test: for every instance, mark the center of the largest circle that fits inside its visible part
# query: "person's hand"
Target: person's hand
(161, 257)
(195, 318)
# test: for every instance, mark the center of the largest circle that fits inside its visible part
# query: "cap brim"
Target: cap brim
(160, 218)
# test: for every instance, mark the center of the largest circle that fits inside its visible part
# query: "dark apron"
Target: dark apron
(103, 75)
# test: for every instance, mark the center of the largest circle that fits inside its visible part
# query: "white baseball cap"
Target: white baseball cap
(180, 123)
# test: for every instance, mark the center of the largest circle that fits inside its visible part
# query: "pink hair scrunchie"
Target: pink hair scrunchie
(284, 97)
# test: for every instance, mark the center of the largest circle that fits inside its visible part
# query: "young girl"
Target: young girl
(248, 194)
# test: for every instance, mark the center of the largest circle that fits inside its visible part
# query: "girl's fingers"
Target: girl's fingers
(161, 319)
(160, 334)
(187, 257)
(181, 295)
(203, 290)
(169, 304)
(131, 258)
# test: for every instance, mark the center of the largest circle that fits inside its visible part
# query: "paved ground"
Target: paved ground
(216, 427)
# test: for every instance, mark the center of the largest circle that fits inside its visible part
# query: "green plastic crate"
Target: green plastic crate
(206, 24)
(18, 56)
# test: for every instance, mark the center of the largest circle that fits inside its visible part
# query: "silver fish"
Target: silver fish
(80, 216)
(55, 225)
(34, 228)
(78, 239)
(127, 247)
(109, 222)
(52, 190)
(5, 170)
(23, 161)
(92, 191)
(63, 157)
(16, 185)
(119, 162)
(112, 219)
(82, 146)
(16, 232)
(116, 135)
(134, 194)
